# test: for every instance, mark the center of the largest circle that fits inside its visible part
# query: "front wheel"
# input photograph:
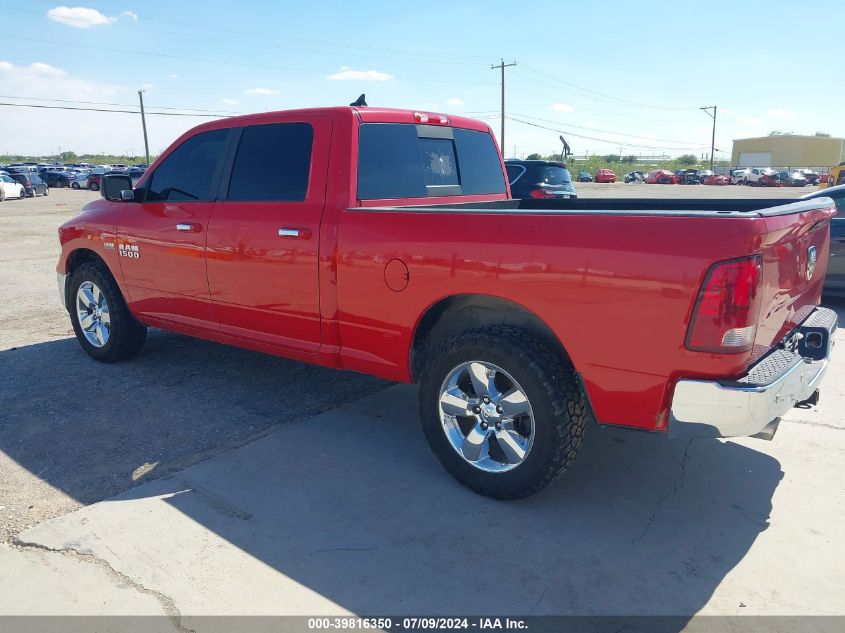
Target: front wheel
(502, 412)
(75, 185)
(101, 321)
(94, 186)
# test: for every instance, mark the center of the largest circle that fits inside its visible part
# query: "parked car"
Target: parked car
(539, 179)
(834, 281)
(661, 177)
(762, 176)
(584, 176)
(739, 176)
(811, 176)
(94, 180)
(135, 174)
(703, 174)
(686, 177)
(604, 175)
(79, 181)
(717, 179)
(57, 179)
(792, 178)
(635, 177)
(10, 189)
(32, 183)
(507, 312)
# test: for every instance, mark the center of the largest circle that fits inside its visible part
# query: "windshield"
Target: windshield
(555, 176)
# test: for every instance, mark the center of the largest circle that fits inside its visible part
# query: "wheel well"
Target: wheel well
(83, 256)
(459, 313)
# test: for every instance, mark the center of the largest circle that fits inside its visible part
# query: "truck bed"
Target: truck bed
(693, 207)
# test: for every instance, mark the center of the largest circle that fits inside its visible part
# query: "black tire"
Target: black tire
(552, 387)
(126, 337)
(94, 186)
(46, 191)
(74, 185)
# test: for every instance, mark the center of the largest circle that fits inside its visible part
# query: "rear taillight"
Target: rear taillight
(724, 319)
(541, 193)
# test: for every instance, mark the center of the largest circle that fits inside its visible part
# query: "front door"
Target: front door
(161, 241)
(263, 235)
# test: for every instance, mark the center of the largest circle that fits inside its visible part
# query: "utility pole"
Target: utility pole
(502, 66)
(144, 125)
(713, 138)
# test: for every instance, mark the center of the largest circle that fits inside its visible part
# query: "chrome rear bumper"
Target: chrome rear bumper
(747, 406)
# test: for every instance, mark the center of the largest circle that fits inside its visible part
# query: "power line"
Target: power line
(593, 138)
(51, 107)
(224, 61)
(123, 105)
(619, 100)
(593, 129)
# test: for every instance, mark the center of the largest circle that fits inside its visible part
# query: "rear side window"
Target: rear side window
(554, 176)
(188, 172)
(272, 163)
(409, 161)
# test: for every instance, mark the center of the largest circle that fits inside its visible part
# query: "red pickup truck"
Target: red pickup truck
(385, 241)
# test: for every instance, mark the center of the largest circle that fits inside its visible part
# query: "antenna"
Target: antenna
(361, 101)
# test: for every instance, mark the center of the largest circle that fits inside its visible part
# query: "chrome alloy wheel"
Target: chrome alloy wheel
(486, 416)
(92, 310)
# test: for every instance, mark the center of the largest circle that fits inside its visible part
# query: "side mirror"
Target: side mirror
(113, 187)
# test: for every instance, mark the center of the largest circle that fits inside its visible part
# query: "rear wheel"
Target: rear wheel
(94, 186)
(75, 185)
(2, 194)
(502, 412)
(101, 321)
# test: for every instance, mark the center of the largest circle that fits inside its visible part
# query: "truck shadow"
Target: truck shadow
(353, 506)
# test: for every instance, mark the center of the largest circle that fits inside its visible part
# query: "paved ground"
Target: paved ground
(223, 506)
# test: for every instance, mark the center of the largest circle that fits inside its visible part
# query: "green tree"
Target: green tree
(687, 159)
(534, 156)
(631, 158)
(612, 158)
(822, 134)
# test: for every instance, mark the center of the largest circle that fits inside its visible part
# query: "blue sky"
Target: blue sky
(609, 76)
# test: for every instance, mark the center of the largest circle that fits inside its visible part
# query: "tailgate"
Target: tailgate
(795, 251)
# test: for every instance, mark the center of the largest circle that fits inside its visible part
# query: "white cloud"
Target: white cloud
(454, 102)
(131, 15)
(562, 107)
(78, 17)
(147, 86)
(174, 76)
(39, 131)
(781, 115)
(229, 101)
(348, 74)
(261, 91)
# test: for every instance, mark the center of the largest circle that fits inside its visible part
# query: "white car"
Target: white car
(738, 176)
(10, 189)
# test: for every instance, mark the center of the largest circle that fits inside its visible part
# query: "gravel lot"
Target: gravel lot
(72, 431)
(62, 416)
(224, 506)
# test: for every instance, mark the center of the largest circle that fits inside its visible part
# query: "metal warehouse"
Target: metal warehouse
(788, 150)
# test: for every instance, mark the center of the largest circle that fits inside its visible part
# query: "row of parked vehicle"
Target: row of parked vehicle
(36, 179)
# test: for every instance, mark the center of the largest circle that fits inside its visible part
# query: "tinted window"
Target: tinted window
(394, 162)
(188, 171)
(35, 180)
(389, 164)
(554, 176)
(272, 163)
(478, 160)
(514, 172)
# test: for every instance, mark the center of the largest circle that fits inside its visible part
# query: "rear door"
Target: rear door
(263, 239)
(162, 239)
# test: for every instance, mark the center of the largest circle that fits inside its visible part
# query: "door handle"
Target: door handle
(190, 227)
(303, 233)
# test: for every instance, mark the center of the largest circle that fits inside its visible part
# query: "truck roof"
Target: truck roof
(365, 114)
